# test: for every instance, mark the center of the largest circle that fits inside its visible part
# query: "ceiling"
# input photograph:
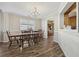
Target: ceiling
(26, 8)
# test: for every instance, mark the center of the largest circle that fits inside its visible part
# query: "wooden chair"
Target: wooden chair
(25, 38)
(41, 33)
(35, 38)
(32, 38)
(41, 36)
(12, 39)
(24, 31)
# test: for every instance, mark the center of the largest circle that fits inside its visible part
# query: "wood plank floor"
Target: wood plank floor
(45, 48)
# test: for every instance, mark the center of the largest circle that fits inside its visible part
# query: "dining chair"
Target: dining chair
(41, 36)
(26, 38)
(32, 38)
(12, 39)
(25, 31)
(35, 38)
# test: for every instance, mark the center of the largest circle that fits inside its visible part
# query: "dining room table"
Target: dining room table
(19, 34)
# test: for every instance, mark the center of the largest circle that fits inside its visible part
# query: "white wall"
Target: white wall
(61, 13)
(77, 16)
(44, 27)
(53, 16)
(56, 28)
(60, 18)
(67, 39)
(69, 43)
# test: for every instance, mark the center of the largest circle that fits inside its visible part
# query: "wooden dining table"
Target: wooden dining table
(20, 34)
(17, 34)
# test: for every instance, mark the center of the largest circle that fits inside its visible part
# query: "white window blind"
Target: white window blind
(25, 24)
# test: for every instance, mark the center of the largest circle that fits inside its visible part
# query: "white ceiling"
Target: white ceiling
(25, 8)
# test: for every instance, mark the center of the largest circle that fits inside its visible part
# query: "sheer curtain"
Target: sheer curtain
(14, 22)
(11, 23)
(1, 26)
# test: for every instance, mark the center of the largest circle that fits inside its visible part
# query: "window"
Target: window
(26, 24)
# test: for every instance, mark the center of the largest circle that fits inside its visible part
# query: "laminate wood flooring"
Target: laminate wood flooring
(45, 48)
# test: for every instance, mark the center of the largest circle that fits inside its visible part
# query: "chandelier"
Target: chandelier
(35, 12)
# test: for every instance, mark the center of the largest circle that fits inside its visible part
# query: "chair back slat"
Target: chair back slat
(24, 31)
(8, 34)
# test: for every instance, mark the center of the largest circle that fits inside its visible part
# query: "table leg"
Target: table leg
(21, 45)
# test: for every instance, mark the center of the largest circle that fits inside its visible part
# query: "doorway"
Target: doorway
(50, 28)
